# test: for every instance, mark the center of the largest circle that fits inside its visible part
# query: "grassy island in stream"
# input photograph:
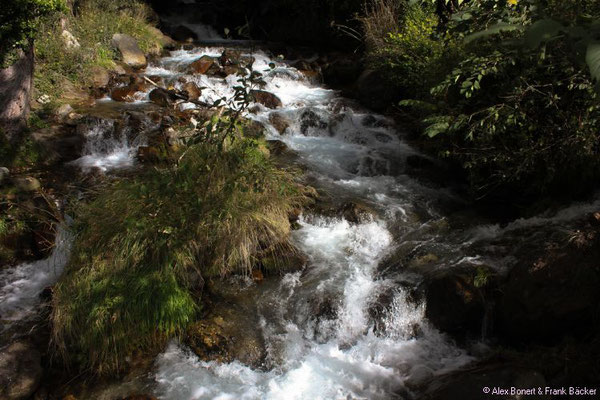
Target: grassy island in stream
(145, 245)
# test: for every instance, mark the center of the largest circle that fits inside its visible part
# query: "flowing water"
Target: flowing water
(372, 341)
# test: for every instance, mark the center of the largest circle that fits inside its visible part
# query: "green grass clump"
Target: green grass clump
(142, 242)
(93, 24)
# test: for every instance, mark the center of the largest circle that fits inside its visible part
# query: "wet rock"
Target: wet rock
(356, 213)
(265, 98)
(554, 294)
(374, 91)
(257, 275)
(132, 55)
(139, 397)
(279, 122)
(311, 120)
(191, 90)
(124, 93)
(292, 261)
(418, 376)
(424, 260)
(162, 97)
(231, 57)
(20, 371)
(221, 339)
(27, 184)
(595, 218)
(454, 302)
(184, 34)
(469, 385)
(234, 70)
(205, 65)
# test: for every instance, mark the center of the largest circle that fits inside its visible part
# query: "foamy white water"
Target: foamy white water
(323, 339)
(20, 286)
(341, 358)
(108, 148)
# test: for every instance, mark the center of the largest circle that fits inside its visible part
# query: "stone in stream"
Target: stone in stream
(125, 93)
(132, 55)
(279, 122)
(231, 57)
(205, 65)
(162, 97)
(552, 293)
(20, 371)
(265, 98)
(191, 90)
(456, 300)
(311, 120)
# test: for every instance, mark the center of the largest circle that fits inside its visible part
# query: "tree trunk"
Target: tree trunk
(15, 92)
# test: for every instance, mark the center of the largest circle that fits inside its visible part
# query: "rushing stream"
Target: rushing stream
(350, 352)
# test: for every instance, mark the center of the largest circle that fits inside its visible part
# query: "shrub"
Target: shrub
(404, 45)
(144, 243)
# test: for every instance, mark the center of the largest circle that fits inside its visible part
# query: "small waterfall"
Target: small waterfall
(109, 145)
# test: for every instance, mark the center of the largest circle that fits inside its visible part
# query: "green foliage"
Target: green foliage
(20, 154)
(93, 25)
(412, 55)
(517, 107)
(143, 244)
(19, 22)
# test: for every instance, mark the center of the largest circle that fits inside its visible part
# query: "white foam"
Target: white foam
(20, 286)
(353, 362)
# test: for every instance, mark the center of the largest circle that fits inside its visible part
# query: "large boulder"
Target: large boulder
(265, 98)
(132, 55)
(456, 298)
(553, 294)
(20, 371)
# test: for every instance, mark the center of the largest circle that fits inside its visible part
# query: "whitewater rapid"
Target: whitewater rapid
(350, 352)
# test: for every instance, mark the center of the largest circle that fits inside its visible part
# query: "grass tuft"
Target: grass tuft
(142, 243)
